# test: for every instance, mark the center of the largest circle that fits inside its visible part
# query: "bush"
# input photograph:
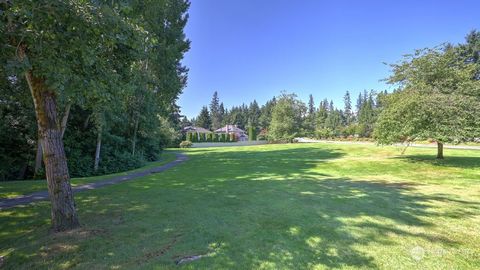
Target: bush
(186, 144)
(223, 137)
(252, 136)
(216, 138)
(233, 138)
(209, 137)
(189, 136)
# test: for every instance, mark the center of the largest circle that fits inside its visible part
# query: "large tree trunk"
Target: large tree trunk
(64, 215)
(38, 157)
(439, 150)
(98, 149)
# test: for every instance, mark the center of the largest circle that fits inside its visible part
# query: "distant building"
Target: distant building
(240, 134)
(195, 129)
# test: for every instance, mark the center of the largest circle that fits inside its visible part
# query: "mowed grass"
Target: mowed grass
(297, 206)
(11, 189)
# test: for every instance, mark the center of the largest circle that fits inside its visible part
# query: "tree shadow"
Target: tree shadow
(464, 162)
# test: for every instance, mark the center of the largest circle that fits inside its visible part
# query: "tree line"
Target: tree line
(322, 121)
(436, 97)
(88, 84)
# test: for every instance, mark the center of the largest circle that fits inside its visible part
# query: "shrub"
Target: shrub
(186, 144)
(233, 138)
(223, 137)
(209, 137)
(252, 136)
(216, 138)
(189, 136)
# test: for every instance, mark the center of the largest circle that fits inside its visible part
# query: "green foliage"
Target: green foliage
(415, 115)
(216, 138)
(215, 112)
(108, 60)
(438, 98)
(203, 119)
(189, 136)
(252, 136)
(223, 137)
(186, 144)
(287, 118)
(232, 137)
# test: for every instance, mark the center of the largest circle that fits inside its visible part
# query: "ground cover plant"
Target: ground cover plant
(292, 206)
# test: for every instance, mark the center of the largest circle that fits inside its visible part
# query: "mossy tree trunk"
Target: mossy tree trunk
(63, 213)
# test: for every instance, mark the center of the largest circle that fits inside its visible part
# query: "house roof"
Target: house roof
(231, 128)
(196, 129)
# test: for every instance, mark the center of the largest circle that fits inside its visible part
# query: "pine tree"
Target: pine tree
(215, 112)
(311, 105)
(348, 109)
(203, 119)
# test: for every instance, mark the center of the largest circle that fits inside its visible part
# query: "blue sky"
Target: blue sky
(253, 49)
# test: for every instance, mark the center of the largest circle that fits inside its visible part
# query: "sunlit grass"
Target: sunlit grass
(298, 206)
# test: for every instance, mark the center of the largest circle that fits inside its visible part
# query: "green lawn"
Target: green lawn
(297, 206)
(10, 189)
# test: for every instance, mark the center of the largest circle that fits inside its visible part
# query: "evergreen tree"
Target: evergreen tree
(203, 119)
(348, 109)
(253, 114)
(215, 113)
(311, 105)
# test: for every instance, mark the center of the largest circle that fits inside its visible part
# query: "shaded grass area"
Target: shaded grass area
(10, 189)
(312, 206)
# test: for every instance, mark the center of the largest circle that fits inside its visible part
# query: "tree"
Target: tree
(253, 114)
(348, 108)
(311, 115)
(215, 112)
(287, 118)
(438, 98)
(266, 113)
(203, 119)
(84, 55)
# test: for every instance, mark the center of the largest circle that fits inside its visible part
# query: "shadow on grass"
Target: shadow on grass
(449, 161)
(245, 209)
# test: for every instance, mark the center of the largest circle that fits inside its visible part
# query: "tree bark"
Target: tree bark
(439, 150)
(63, 213)
(38, 157)
(98, 149)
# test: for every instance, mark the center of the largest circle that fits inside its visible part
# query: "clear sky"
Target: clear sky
(253, 49)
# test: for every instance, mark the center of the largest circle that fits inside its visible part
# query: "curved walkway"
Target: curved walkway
(43, 195)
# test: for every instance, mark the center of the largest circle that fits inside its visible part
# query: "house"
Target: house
(240, 134)
(197, 130)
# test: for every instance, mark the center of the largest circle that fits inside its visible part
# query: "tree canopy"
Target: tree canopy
(438, 98)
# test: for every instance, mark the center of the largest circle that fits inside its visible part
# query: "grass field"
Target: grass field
(10, 189)
(296, 206)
